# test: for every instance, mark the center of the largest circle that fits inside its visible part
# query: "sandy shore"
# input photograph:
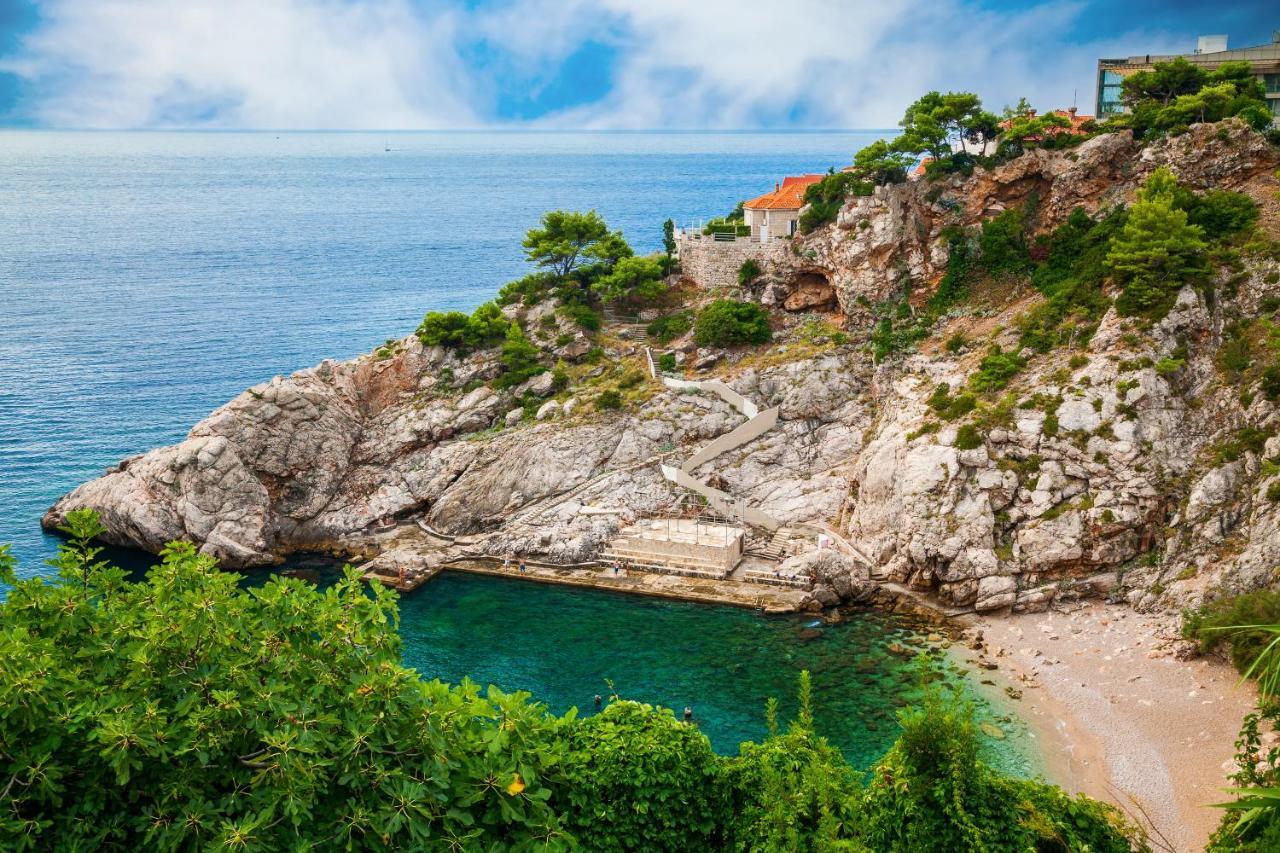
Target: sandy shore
(1119, 717)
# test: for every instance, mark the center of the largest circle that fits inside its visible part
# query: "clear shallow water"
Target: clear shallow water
(146, 278)
(565, 645)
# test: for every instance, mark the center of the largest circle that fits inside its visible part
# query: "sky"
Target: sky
(591, 64)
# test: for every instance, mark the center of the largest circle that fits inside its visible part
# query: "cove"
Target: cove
(564, 645)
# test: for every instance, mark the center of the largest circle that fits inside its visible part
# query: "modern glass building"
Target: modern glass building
(1210, 53)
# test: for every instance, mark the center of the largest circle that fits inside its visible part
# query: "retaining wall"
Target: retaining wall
(714, 263)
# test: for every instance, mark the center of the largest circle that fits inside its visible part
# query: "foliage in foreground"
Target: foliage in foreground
(184, 712)
(1248, 624)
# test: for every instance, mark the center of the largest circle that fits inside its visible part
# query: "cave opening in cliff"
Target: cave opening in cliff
(811, 291)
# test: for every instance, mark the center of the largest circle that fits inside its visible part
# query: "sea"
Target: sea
(148, 277)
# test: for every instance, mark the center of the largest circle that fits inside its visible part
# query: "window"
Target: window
(1272, 82)
(1112, 78)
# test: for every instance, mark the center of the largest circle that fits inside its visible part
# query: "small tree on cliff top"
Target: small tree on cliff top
(568, 237)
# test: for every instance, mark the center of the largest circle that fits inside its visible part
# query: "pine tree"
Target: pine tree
(1157, 252)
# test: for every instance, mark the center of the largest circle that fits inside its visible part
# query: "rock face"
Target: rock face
(322, 458)
(1136, 490)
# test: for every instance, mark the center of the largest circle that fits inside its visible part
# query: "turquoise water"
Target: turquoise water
(565, 645)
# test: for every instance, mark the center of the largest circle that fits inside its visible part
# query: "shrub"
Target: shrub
(824, 199)
(607, 400)
(581, 314)
(1003, 243)
(212, 706)
(1210, 624)
(671, 326)
(727, 322)
(1246, 440)
(948, 407)
(931, 793)
(519, 359)
(996, 369)
(667, 362)
(1271, 382)
(632, 279)
(1221, 213)
(793, 791)
(1273, 492)
(748, 272)
(455, 330)
(956, 342)
(968, 438)
(636, 778)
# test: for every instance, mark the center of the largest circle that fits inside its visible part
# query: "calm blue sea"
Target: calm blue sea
(146, 278)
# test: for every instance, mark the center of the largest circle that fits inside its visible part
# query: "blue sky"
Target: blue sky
(313, 64)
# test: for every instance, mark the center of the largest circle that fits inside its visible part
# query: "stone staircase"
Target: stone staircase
(757, 424)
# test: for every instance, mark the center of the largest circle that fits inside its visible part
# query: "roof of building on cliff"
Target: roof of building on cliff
(789, 195)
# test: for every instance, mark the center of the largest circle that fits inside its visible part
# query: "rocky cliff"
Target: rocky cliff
(1151, 481)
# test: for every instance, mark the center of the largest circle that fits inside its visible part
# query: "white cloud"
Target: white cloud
(245, 63)
(829, 63)
(680, 63)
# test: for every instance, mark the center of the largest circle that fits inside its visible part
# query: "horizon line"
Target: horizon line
(493, 129)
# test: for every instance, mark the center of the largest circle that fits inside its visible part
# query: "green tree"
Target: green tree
(1164, 82)
(567, 237)
(669, 237)
(935, 121)
(879, 163)
(1157, 252)
(184, 712)
(727, 322)
(633, 279)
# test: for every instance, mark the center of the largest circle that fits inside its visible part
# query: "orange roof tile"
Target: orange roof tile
(788, 196)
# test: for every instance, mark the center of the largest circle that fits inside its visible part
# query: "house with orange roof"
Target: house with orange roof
(776, 215)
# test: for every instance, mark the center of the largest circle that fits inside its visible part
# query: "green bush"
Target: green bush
(636, 778)
(671, 326)
(581, 314)
(794, 790)
(667, 362)
(824, 199)
(1271, 382)
(932, 794)
(455, 330)
(608, 400)
(1212, 625)
(1221, 214)
(996, 369)
(748, 272)
(1003, 243)
(951, 408)
(520, 359)
(728, 322)
(1273, 492)
(184, 712)
(968, 438)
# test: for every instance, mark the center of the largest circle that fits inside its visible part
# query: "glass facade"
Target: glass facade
(1109, 89)
(1272, 82)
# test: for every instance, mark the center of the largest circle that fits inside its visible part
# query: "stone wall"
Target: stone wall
(714, 263)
